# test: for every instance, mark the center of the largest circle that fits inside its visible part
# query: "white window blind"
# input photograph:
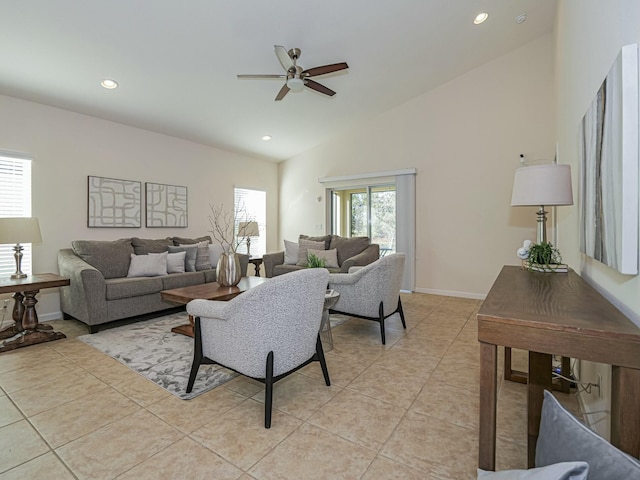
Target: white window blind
(251, 205)
(15, 201)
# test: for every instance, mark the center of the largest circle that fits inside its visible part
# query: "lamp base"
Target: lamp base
(19, 275)
(17, 254)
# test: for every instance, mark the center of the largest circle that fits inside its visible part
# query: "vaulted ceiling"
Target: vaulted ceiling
(176, 62)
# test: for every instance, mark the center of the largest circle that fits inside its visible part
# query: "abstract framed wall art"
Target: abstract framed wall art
(113, 203)
(166, 205)
(608, 156)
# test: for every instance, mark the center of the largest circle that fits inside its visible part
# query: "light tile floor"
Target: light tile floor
(407, 410)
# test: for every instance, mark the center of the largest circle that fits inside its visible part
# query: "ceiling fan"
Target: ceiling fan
(296, 77)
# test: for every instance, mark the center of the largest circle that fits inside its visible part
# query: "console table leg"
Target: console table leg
(488, 401)
(539, 381)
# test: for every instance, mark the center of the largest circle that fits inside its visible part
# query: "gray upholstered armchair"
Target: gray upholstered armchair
(266, 333)
(371, 292)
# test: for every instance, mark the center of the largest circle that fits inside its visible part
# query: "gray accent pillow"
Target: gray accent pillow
(202, 256)
(148, 265)
(348, 247)
(324, 238)
(330, 257)
(190, 256)
(290, 252)
(303, 246)
(111, 258)
(215, 250)
(142, 246)
(563, 438)
(175, 262)
(190, 241)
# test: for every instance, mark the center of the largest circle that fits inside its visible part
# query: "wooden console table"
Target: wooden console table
(26, 330)
(561, 314)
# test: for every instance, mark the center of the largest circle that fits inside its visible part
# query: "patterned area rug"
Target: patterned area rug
(150, 349)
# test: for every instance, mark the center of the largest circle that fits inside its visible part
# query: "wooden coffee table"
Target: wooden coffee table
(207, 291)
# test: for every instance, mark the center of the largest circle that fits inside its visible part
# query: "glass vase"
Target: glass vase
(228, 270)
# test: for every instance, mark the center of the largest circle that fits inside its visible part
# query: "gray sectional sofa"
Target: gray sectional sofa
(100, 290)
(341, 254)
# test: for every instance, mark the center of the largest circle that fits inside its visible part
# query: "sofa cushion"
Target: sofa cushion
(210, 275)
(563, 438)
(329, 256)
(557, 471)
(118, 288)
(348, 247)
(303, 247)
(142, 246)
(324, 238)
(291, 252)
(178, 280)
(148, 265)
(111, 258)
(190, 241)
(190, 256)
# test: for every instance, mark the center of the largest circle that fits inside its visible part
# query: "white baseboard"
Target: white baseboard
(447, 293)
(48, 317)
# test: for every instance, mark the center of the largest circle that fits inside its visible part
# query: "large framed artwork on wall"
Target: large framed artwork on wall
(608, 156)
(166, 205)
(113, 203)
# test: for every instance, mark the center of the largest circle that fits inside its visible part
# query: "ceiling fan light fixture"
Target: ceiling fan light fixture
(295, 84)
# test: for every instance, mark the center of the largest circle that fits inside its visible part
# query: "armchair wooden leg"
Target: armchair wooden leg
(401, 312)
(197, 355)
(268, 391)
(323, 363)
(381, 314)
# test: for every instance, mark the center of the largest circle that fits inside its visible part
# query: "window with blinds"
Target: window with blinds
(15, 201)
(251, 205)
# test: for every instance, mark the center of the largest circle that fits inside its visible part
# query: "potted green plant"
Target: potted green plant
(542, 257)
(313, 261)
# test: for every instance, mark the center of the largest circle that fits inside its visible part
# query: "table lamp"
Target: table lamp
(248, 230)
(542, 185)
(19, 230)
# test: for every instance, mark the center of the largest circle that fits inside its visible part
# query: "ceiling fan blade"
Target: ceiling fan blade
(283, 57)
(324, 69)
(283, 91)
(262, 76)
(319, 88)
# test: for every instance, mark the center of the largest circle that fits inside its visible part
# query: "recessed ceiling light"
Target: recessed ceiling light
(266, 138)
(481, 17)
(109, 84)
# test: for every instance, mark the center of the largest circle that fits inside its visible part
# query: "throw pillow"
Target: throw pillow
(175, 262)
(323, 238)
(148, 265)
(330, 256)
(557, 471)
(215, 250)
(563, 438)
(191, 251)
(290, 252)
(190, 241)
(110, 258)
(142, 246)
(202, 256)
(348, 247)
(303, 246)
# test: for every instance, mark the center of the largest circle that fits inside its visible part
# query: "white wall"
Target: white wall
(464, 138)
(589, 35)
(68, 147)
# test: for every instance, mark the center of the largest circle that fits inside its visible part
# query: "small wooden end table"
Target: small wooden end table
(206, 291)
(26, 330)
(256, 261)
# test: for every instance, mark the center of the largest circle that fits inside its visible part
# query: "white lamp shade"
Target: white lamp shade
(248, 229)
(542, 185)
(19, 230)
